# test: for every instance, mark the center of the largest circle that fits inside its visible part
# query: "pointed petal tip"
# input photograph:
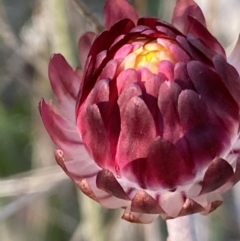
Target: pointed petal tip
(116, 10)
(183, 9)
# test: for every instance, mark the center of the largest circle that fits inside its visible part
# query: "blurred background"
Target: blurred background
(37, 200)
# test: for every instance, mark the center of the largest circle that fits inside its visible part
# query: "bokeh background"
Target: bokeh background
(37, 200)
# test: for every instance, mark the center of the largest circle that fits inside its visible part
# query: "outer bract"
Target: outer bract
(151, 124)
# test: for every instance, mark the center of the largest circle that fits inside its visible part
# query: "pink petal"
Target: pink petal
(128, 93)
(166, 67)
(172, 203)
(179, 54)
(234, 58)
(65, 84)
(72, 157)
(84, 45)
(182, 10)
(136, 217)
(125, 78)
(116, 10)
(109, 71)
(63, 132)
(137, 132)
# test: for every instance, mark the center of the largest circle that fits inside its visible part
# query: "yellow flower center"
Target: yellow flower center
(148, 54)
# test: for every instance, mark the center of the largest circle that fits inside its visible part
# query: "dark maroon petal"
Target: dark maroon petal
(167, 103)
(200, 32)
(229, 76)
(204, 56)
(212, 90)
(153, 23)
(165, 166)
(144, 203)
(192, 110)
(206, 142)
(95, 137)
(137, 132)
(182, 10)
(116, 10)
(166, 67)
(107, 182)
(218, 173)
(84, 45)
(65, 84)
(181, 76)
(199, 45)
(234, 58)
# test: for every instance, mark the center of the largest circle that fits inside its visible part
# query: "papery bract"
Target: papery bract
(151, 124)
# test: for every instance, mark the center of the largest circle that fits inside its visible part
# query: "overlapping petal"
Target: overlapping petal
(151, 123)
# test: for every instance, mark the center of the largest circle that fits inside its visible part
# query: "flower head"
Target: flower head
(151, 123)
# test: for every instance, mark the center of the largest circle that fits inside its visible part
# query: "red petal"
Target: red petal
(137, 132)
(65, 84)
(182, 10)
(129, 92)
(165, 166)
(167, 103)
(234, 58)
(116, 10)
(84, 45)
(181, 76)
(95, 137)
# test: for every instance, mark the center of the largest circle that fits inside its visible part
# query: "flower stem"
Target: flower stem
(181, 229)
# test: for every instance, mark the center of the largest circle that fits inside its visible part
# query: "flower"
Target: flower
(151, 123)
